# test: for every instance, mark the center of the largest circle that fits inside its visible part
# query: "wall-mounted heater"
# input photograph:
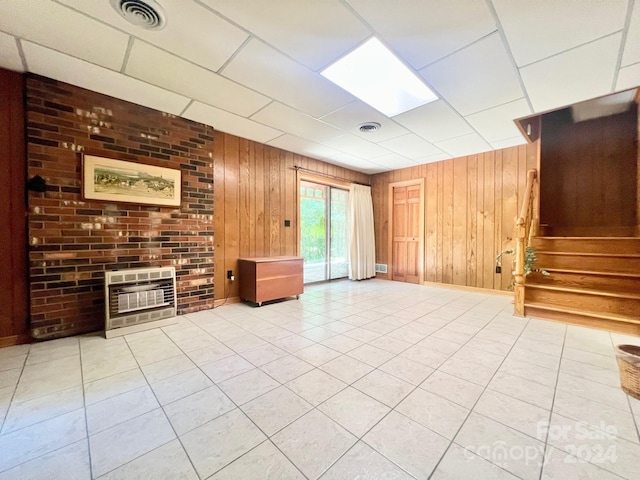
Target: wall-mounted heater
(139, 299)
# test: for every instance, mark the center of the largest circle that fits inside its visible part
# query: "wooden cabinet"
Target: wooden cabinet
(269, 278)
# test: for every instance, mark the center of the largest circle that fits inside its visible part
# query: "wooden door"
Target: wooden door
(407, 235)
(14, 303)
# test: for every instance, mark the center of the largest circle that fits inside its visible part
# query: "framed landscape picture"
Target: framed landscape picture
(118, 181)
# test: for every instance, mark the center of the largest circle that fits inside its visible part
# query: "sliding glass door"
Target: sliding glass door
(323, 232)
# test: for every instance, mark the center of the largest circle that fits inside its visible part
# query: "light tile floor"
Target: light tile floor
(366, 380)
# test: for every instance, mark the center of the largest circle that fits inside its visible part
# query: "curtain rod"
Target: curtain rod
(297, 168)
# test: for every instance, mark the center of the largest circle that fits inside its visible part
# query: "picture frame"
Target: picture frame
(113, 180)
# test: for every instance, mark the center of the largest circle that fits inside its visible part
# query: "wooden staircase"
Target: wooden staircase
(594, 281)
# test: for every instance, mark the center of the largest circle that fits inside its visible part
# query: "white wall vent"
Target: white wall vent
(381, 268)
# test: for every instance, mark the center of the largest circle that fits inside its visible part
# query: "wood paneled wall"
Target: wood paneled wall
(14, 296)
(470, 208)
(589, 174)
(255, 191)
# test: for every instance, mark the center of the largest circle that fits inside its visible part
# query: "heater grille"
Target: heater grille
(139, 296)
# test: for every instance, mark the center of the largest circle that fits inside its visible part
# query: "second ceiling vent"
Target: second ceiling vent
(369, 127)
(147, 14)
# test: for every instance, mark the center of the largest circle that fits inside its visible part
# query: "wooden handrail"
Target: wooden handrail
(523, 232)
(532, 175)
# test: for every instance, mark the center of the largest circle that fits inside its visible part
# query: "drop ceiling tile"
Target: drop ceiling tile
(497, 123)
(192, 31)
(410, 146)
(394, 161)
(351, 116)
(230, 123)
(465, 145)
(632, 47)
(433, 158)
(354, 145)
(281, 117)
(538, 29)
(314, 33)
(355, 163)
(628, 77)
(422, 32)
(572, 76)
(165, 70)
(268, 71)
(476, 78)
(58, 66)
(62, 29)
(434, 122)
(9, 55)
(294, 144)
(509, 142)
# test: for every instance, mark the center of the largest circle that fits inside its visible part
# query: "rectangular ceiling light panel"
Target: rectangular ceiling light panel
(376, 76)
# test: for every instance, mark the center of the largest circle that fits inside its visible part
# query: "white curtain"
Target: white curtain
(360, 234)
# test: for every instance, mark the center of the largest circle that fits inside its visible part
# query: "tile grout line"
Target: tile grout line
(13, 394)
(46, 419)
(393, 409)
(347, 385)
(84, 409)
(341, 354)
(237, 407)
(553, 401)
(138, 416)
(471, 410)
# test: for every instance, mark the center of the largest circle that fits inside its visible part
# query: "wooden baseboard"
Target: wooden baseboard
(468, 289)
(222, 301)
(15, 340)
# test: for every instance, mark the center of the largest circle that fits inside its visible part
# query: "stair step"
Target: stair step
(611, 263)
(597, 281)
(621, 245)
(575, 298)
(587, 291)
(589, 254)
(620, 323)
(593, 272)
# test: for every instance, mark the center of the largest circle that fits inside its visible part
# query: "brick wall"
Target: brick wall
(73, 241)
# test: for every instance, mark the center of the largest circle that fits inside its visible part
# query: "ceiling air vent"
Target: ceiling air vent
(369, 127)
(147, 14)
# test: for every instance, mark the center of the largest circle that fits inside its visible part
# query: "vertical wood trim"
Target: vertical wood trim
(14, 291)
(244, 185)
(480, 215)
(459, 222)
(232, 179)
(440, 225)
(219, 156)
(431, 240)
(498, 243)
(472, 220)
(488, 220)
(447, 235)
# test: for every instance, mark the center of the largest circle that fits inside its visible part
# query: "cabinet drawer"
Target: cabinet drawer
(278, 269)
(278, 287)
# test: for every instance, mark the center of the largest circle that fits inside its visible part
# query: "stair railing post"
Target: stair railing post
(518, 274)
(525, 228)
